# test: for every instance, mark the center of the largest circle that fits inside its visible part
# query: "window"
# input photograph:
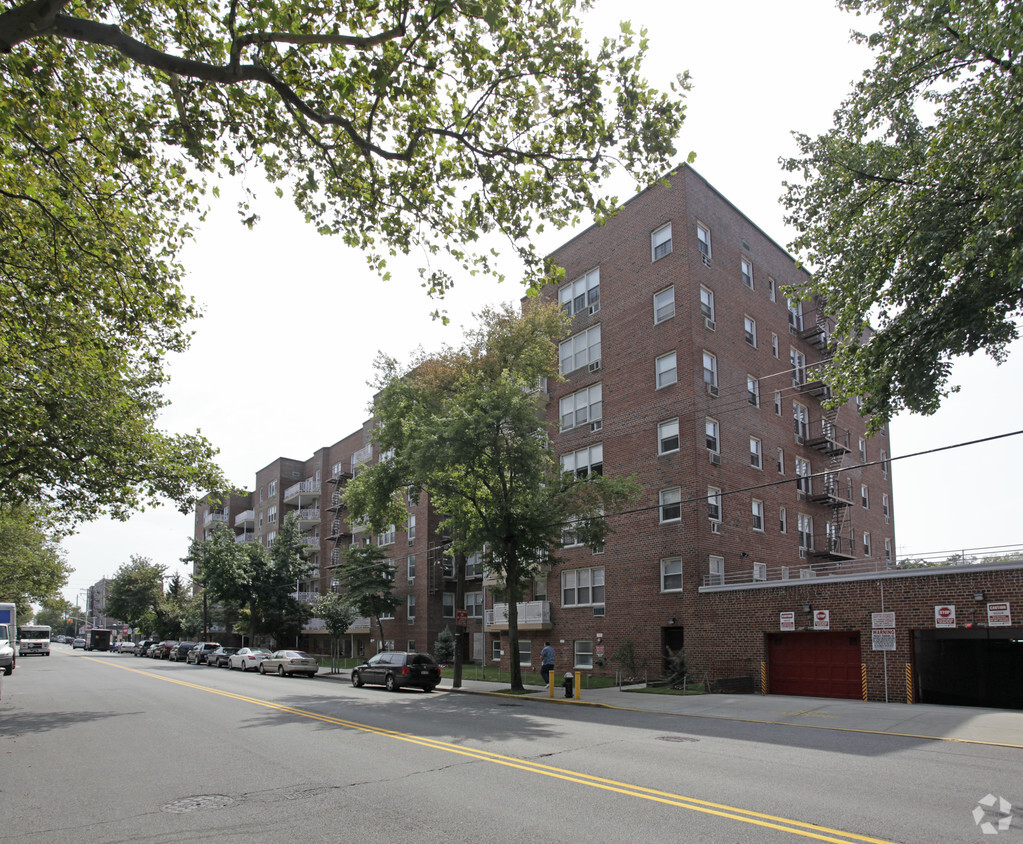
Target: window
(753, 390)
(864, 496)
(581, 407)
(410, 563)
(474, 565)
(805, 525)
(271, 514)
(583, 654)
(750, 328)
(703, 240)
(271, 538)
(710, 370)
(783, 520)
(671, 504)
(387, 537)
(707, 304)
(261, 499)
(474, 604)
(525, 652)
(713, 442)
(746, 267)
(772, 289)
(759, 571)
(272, 490)
(888, 549)
(756, 453)
(580, 350)
(411, 608)
(803, 476)
(495, 650)
(660, 242)
(667, 436)
(884, 508)
(758, 514)
(866, 544)
(411, 529)
(448, 605)
(781, 461)
(863, 450)
(582, 587)
(884, 465)
(714, 504)
(581, 294)
(664, 305)
(666, 370)
(774, 344)
(716, 566)
(800, 421)
(797, 363)
(795, 314)
(671, 574)
(585, 461)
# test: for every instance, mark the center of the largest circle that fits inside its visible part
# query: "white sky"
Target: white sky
(280, 363)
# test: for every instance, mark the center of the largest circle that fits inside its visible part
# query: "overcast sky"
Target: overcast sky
(281, 360)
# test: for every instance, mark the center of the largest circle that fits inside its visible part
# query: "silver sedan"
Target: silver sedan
(289, 662)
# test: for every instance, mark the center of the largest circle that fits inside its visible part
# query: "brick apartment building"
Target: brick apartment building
(764, 539)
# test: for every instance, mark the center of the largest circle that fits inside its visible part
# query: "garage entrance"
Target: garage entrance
(974, 667)
(815, 664)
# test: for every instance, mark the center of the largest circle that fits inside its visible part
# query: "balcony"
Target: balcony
(307, 488)
(246, 536)
(360, 625)
(829, 547)
(306, 597)
(308, 515)
(246, 519)
(832, 494)
(533, 615)
(214, 518)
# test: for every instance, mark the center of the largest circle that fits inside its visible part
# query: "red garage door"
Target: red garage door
(824, 664)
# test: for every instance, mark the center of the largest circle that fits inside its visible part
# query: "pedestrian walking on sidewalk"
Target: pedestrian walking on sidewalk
(546, 663)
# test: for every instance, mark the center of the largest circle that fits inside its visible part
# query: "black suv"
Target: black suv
(179, 653)
(396, 669)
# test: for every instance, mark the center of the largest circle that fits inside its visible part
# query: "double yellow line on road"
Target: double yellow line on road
(794, 827)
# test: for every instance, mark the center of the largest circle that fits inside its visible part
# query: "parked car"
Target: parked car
(289, 662)
(142, 647)
(218, 659)
(125, 647)
(397, 669)
(247, 658)
(198, 654)
(78, 643)
(164, 648)
(152, 650)
(179, 653)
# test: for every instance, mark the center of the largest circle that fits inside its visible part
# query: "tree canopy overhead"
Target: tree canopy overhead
(909, 211)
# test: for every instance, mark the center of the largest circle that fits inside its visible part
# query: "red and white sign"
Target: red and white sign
(999, 615)
(461, 618)
(787, 621)
(822, 619)
(945, 616)
(882, 620)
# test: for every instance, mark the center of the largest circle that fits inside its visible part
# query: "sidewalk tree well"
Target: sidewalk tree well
(909, 211)
(467, 426)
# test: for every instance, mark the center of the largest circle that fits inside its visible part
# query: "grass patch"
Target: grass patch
(694, 689)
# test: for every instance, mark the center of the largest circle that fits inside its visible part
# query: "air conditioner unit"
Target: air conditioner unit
(594, 308)
(800, 495)
(800, 439)
(596, 426)
(802, 556)
(598, 612)
(715, 458)
(706, 260)
(707, 321)
(595, 366)
(712, 389)
(411, 542)
(715, 527)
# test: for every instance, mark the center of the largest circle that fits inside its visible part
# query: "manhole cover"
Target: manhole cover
(676, 738)
(194, 804)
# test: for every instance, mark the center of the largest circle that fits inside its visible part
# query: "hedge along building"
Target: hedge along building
(688, 368)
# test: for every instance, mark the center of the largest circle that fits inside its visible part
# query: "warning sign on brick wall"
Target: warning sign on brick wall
(883, 638)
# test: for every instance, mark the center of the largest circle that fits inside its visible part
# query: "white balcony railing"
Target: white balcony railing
(306, 487)
(308, 514)
(215, 518)
(247, 517)
(530, 612)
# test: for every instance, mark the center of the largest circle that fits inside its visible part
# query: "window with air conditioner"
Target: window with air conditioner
(410, 562)
(713, 441)
(580, 295)
(582, 587)
(667, 437)
(664, 305)
(666, 370)
(707, 304)
(579, 350)
(582, 407)
(710, 370)
(714, 504)
(660, 242)
(670, 503)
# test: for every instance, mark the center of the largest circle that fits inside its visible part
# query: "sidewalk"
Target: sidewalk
(948, 723)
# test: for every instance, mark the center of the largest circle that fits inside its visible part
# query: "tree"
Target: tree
(908, 210)
(55, 613)
(223, 569)
(32, 563)
(468, 427)
(444, 648)
(338, 614)
(367, 578)
(136, 592)
(276, 583)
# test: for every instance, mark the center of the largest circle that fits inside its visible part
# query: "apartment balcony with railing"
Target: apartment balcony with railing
(307, 515)
(245, 536)
(245, 519)
(533, 615)
(215, 518)
(294, 493)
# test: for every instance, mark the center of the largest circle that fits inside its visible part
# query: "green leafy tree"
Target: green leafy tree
(338, 614)
(223, 569)
(908, 210)
(55, 612)
(32, 563)
(367, 577)
(136, 592)
(468, 427)
(276, 579)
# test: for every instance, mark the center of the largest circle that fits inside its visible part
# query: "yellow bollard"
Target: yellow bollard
(909, 683)
(578, 684)
(863, 678)
(550, 685)
(763, 678)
